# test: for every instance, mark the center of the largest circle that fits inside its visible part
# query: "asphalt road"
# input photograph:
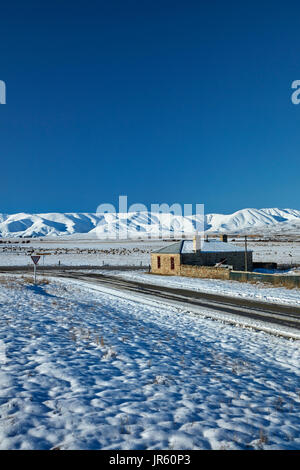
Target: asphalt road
(284, 315)
(272, 313)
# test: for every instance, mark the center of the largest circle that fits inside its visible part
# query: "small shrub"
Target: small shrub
(263, 438)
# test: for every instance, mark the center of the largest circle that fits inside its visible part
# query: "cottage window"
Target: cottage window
(172, 263)
(158, 262)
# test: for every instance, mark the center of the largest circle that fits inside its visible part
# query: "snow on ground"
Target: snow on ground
(259, 291)
(70, 259)
(82, 253)
(286, 253)
(72, 252)
(82, 369)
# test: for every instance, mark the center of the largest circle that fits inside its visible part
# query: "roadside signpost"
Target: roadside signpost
(35, 259)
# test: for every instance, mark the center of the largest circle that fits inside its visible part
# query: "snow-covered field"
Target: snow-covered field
(83, 369)
(77, 259)
(80, 253)
(283, 253)
(131, 253)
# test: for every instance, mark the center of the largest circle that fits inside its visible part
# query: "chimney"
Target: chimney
(224, 238)
(196, 243)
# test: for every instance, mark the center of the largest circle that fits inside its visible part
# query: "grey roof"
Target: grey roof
(173, 249)
(212, 246)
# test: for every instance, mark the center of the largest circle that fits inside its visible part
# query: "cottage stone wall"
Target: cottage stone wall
(165, 264)
(206, 272)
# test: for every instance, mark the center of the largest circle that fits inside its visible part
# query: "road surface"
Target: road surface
(284, 315)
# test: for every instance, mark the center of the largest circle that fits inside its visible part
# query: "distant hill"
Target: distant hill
(89, 225)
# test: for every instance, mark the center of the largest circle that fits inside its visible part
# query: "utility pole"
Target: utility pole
(246, 255)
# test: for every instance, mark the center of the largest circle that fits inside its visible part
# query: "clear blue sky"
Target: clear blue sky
(163, 101)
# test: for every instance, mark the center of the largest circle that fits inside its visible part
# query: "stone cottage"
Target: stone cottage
(211, 253)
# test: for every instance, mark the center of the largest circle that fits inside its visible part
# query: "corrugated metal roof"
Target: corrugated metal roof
(212, 246)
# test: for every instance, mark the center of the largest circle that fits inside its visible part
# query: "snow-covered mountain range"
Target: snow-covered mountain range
(89, 225)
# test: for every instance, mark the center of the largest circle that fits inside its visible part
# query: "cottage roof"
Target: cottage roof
(173, 249)
(211, 246)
